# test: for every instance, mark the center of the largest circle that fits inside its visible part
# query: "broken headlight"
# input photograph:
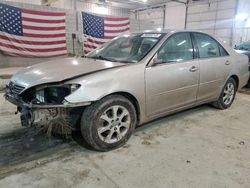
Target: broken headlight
(54, 94)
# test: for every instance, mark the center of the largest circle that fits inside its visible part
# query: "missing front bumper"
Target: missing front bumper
(44, 116)
(67, 114)
(56, 118)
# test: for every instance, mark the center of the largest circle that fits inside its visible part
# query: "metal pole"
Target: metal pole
(75, 9)
(76, 27)
(164, 17)
(234, 25)
(186, 14)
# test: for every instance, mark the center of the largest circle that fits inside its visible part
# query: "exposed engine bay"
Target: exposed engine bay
(46, 106)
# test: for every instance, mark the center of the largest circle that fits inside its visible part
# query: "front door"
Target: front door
(173, 82)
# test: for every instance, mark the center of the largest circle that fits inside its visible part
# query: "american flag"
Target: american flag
(30, 33)
(98, 30)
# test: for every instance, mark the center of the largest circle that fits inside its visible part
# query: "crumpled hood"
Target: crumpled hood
(59, 70)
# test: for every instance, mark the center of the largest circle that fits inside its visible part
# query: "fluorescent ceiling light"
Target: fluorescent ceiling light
(247, 23)
(159, 29)
(101, 10)
(181, 43)
(241, 17)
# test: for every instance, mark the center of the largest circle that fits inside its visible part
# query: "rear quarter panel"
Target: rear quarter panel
(240, 64)
(240, 68)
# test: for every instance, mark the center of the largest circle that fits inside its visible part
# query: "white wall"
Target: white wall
(216, 17)
(89, 6)
(34, 2)
(73, 25)
(242, 23)
(152, 19)
(175, 16)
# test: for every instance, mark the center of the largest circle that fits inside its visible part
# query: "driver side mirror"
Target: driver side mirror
(157, 61)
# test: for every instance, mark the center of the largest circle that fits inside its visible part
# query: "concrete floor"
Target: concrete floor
(201, 147)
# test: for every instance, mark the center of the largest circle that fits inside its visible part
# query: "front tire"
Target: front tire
(108, 124)
(227, 95)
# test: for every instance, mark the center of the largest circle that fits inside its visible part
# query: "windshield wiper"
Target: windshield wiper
(109, 59)
(103, 58)
(124, 61)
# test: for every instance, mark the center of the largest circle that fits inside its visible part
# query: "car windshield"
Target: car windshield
(244, 46)
(127, 48)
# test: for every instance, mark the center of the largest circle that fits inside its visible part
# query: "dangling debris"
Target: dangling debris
(58, 126)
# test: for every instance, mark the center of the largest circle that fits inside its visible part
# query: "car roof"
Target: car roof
(166, 31)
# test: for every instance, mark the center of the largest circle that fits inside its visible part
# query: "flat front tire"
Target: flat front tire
(108, 124)
(227, 95)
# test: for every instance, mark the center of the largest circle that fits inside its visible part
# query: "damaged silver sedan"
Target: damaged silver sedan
(129, 81)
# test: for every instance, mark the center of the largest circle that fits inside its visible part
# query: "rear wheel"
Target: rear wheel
(227, 95)
(248, 83)
(108, 123)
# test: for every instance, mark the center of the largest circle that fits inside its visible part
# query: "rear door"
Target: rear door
(215, 66)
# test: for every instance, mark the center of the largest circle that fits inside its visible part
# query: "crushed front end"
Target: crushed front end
(45, 105)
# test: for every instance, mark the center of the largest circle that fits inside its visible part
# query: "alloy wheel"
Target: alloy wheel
(113, 124)
(228, 94)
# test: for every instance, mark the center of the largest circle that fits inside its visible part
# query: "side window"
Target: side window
(207, 46)
(177, 48)
(223, 52)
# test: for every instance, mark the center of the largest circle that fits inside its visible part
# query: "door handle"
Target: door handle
(227, 62)
(193, 69)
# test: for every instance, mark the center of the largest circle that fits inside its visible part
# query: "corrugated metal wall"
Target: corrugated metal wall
(242, 24)
(112, 11)
(214, 17)
(153, 16)
(175, 15)
(152, 19)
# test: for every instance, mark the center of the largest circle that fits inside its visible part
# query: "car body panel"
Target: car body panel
(213, 79)
(245, 53)
(165, 91)
(156, 92)
(59, 70)
(240, 68)
(117, 80)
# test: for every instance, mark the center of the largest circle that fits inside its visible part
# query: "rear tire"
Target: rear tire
(248, 83)
(227, 95)
(108, 124)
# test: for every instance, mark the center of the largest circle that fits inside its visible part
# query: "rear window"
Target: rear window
(223, 52)
(207, 46)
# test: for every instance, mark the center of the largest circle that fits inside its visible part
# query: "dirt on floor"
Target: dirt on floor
(201, 147)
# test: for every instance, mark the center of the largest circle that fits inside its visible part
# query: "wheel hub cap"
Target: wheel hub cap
(113, 124)
(228, 94)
